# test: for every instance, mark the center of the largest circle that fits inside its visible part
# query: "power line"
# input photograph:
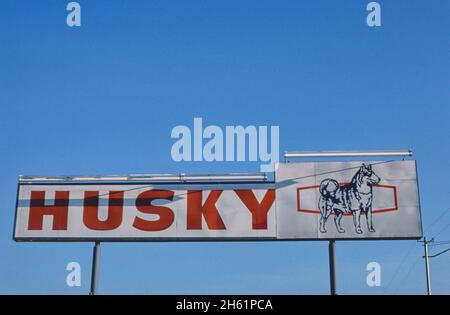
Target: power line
(407, 274)
(397, 271)
(441, 215)
(440, 243)
(442, 230)
(437, 219)
(440, 253)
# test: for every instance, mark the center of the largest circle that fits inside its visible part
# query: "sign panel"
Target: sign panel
(312, 201)
(145, 212)
(348, 200)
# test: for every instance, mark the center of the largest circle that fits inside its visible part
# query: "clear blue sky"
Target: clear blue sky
(103, 98)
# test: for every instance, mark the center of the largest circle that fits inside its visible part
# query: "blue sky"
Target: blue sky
(103, 98)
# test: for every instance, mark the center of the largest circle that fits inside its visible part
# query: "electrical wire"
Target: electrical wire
(407, 275)
(402, 262)
(397, 271)
(442, 230)
(437, 219)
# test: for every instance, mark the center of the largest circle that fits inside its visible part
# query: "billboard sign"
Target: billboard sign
(309, 201)
(348, 200)
(145, 212)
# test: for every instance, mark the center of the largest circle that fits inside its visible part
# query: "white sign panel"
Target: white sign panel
(145, 212)
(348, 200)
(314, 201)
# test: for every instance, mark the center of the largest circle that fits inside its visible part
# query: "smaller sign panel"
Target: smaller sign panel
(348, 200)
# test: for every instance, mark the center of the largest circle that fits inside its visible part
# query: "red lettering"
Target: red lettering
(115, 210)
(259, 210)
(143, 204)
(38, 209)
(209, 211)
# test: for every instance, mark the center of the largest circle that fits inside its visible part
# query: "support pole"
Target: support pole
(427, 265)
(332, 260)
(95, 269)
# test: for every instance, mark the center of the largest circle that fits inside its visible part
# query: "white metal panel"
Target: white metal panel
(394, 199)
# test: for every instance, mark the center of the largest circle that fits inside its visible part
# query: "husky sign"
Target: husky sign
(145, 212)
(314, 201)
(348, 200)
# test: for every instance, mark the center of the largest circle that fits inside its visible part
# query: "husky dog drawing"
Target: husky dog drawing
(355, 198)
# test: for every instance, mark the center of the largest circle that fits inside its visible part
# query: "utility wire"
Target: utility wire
(442, 230)
(437, 219)
(441, 215)
(440, 243)
(397, 271)
(407, 274)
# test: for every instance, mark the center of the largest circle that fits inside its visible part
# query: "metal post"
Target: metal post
(332, 260)
(95, 269)
(427, 265)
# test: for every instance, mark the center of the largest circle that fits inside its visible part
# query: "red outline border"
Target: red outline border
(394, 188)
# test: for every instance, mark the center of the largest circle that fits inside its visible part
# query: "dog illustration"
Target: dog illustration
(354, 198)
